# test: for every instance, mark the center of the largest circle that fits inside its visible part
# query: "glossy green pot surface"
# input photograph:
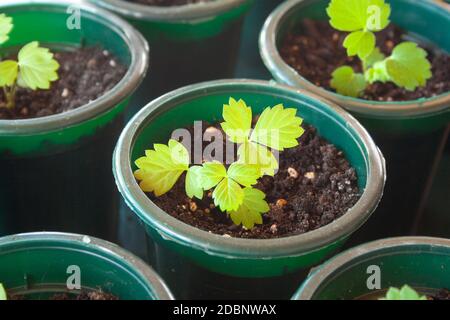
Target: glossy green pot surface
(422, 263)
(245, 258)
(56, 169)
(39, 265)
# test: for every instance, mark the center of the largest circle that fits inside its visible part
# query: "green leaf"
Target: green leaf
(359, 15)
(37, 67)
(8, 72)
(6, 25)
(278, 128)
(405, 293)
(378, 72)
(244, 174)
(212, 173)
(360, 43)
(194, 183)
(408, 66)
(374, 57)
(3, 295)
(228, 195)
(160, 169)
(238, 120)
(251, 210)
(253, 153)
(347, 82)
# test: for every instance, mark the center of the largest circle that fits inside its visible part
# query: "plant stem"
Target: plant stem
(10, 96)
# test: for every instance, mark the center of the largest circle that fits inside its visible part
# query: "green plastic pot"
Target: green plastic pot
(408, 133)
(205, 265)
(420, 262)
(56, 169)
(189, 44)
(38, 265)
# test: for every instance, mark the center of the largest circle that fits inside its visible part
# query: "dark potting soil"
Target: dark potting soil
(84, 295)
(443, 294)
(314, 186)
(85, 74)
(314, 49)
(167, 3)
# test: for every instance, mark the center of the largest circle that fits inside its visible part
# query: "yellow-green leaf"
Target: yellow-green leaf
(253, 153)
(251, 210)
(408, 66)
(375, 56)
(360, 43)
(228, 195)
(238, 120)
(358, 15)
(193, 182)
(160, 169)
(37, 67)
(3, 295)
(244, 174)
(6, 25)
(212, 173)
(377, 72)
(405, 293)
(347, 82)
(278, 128)
(8, 72)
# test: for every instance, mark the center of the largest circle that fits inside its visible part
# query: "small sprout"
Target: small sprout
(407, 66)
(277, 128)
(3, 295)
(405, 293)
(35, 67)
(231, 188)
(281, 203)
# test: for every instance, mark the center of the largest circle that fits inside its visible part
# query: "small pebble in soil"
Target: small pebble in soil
(314, 49)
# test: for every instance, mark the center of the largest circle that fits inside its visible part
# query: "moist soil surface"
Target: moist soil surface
(85, 74)
(314, 186)
(314, 49)
(167, 3)
(443, 294)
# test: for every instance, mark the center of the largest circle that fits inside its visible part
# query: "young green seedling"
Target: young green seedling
(35, 67)
(407, 66)
(3, 295)
(405, 293)
(232, 188)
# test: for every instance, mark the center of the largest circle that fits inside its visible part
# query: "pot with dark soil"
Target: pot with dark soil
(226, 218)
(191, 40)
(61, 110)
(63, 266)
(381, 270)
(399, 89)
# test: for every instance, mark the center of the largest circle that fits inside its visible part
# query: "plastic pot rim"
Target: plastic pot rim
(152, 279)
(195, 11)
(139, 52)
(284, 73)
(172, 229)
(313, 282)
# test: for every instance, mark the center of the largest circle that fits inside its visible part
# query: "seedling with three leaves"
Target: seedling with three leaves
(34, 69)
(407, 66)
(232, 187)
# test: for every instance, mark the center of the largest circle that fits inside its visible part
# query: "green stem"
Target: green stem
(10, 96)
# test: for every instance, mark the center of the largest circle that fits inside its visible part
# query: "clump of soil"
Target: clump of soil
(443, 294)
(314, 186)
(314, 49)
(167, 3)
(85, 74)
